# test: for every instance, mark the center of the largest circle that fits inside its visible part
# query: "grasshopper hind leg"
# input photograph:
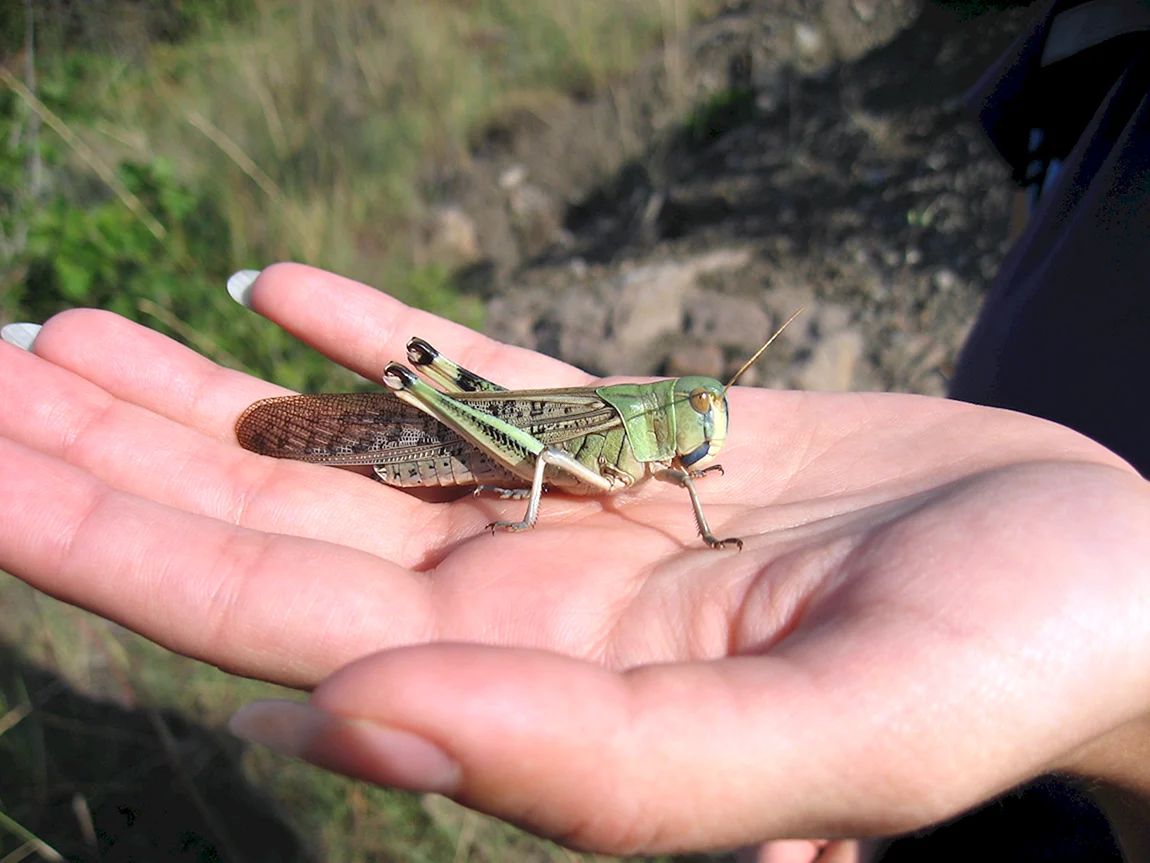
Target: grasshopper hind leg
(449, 375)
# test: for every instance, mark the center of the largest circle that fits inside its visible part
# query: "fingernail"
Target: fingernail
(240, 286)
(20, 335)
(358, 748)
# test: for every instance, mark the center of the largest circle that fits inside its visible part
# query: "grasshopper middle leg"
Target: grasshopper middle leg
(564, 461)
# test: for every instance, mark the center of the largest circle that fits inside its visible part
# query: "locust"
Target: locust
(512, 443)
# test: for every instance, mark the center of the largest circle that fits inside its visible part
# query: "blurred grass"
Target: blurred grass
(159, 148)
(266, 130)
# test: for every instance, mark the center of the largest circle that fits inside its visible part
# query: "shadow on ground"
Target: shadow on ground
(98, 781)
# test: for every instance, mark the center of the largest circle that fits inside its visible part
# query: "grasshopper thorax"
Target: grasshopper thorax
(700, 406)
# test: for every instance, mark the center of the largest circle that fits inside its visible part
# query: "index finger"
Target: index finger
(355, 325)
(362, 328)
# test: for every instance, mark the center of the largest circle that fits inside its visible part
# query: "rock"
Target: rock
(650, 303)
(730, 320)
(944, 279)
(829, 319)
(695, 359)
(651, 306)
(512, 177)
(865, 9)
(854, 27)
(831, 367)
(720, 260)
(809, 42)
(784, 300)
(535, 218)
(449, 235)
(574, 329)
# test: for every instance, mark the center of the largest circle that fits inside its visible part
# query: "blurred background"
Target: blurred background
(635, 186)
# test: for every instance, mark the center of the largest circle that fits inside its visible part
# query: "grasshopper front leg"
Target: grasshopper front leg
(686, 478)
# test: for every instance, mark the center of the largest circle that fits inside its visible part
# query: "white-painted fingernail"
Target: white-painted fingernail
(240, 286)
(20, 335)
(358, 748)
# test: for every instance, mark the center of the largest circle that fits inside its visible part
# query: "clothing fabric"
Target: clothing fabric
(1064, 333)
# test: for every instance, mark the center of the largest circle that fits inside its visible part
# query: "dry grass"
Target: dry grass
(318, 123)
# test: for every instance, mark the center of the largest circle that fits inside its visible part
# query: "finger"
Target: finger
(657, 760)
(147, 369)
(279, 608)
(143, 367)
(132, 449)
(864, 724)
(363, 329)
(804, 851)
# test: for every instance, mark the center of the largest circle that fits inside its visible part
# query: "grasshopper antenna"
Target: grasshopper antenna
(759, 352)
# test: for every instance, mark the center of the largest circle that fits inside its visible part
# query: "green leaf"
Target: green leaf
(75, 280)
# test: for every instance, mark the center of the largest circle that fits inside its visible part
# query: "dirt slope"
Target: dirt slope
(828, 161)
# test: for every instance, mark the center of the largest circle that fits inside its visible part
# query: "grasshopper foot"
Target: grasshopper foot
(502, 493)
(512, 526)
(695, 474)
(719, 544)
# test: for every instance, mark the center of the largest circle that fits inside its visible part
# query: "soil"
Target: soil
(784, 153)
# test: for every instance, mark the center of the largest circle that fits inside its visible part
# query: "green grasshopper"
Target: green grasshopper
(581, 440)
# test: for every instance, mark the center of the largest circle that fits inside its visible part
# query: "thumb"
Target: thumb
(657, 759)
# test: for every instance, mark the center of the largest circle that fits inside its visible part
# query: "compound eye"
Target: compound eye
(701, 400)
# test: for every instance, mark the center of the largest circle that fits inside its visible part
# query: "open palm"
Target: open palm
(927, 595)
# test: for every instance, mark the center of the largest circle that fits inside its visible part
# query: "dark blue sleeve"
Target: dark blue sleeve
(1065, 330)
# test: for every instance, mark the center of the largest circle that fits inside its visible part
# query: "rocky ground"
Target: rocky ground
(783, 153)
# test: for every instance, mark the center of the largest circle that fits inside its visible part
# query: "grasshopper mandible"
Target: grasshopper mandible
(581, 440)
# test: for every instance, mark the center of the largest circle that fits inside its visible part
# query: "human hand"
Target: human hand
(935, 602)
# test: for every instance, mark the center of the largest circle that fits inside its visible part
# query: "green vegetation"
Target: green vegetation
(726, 110)
(180, 141)
(160, 147)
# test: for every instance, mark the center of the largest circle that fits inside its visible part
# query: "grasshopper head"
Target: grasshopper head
(700, 420)
(700, 406)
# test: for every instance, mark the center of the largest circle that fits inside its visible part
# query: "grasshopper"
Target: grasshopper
(581, 440)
